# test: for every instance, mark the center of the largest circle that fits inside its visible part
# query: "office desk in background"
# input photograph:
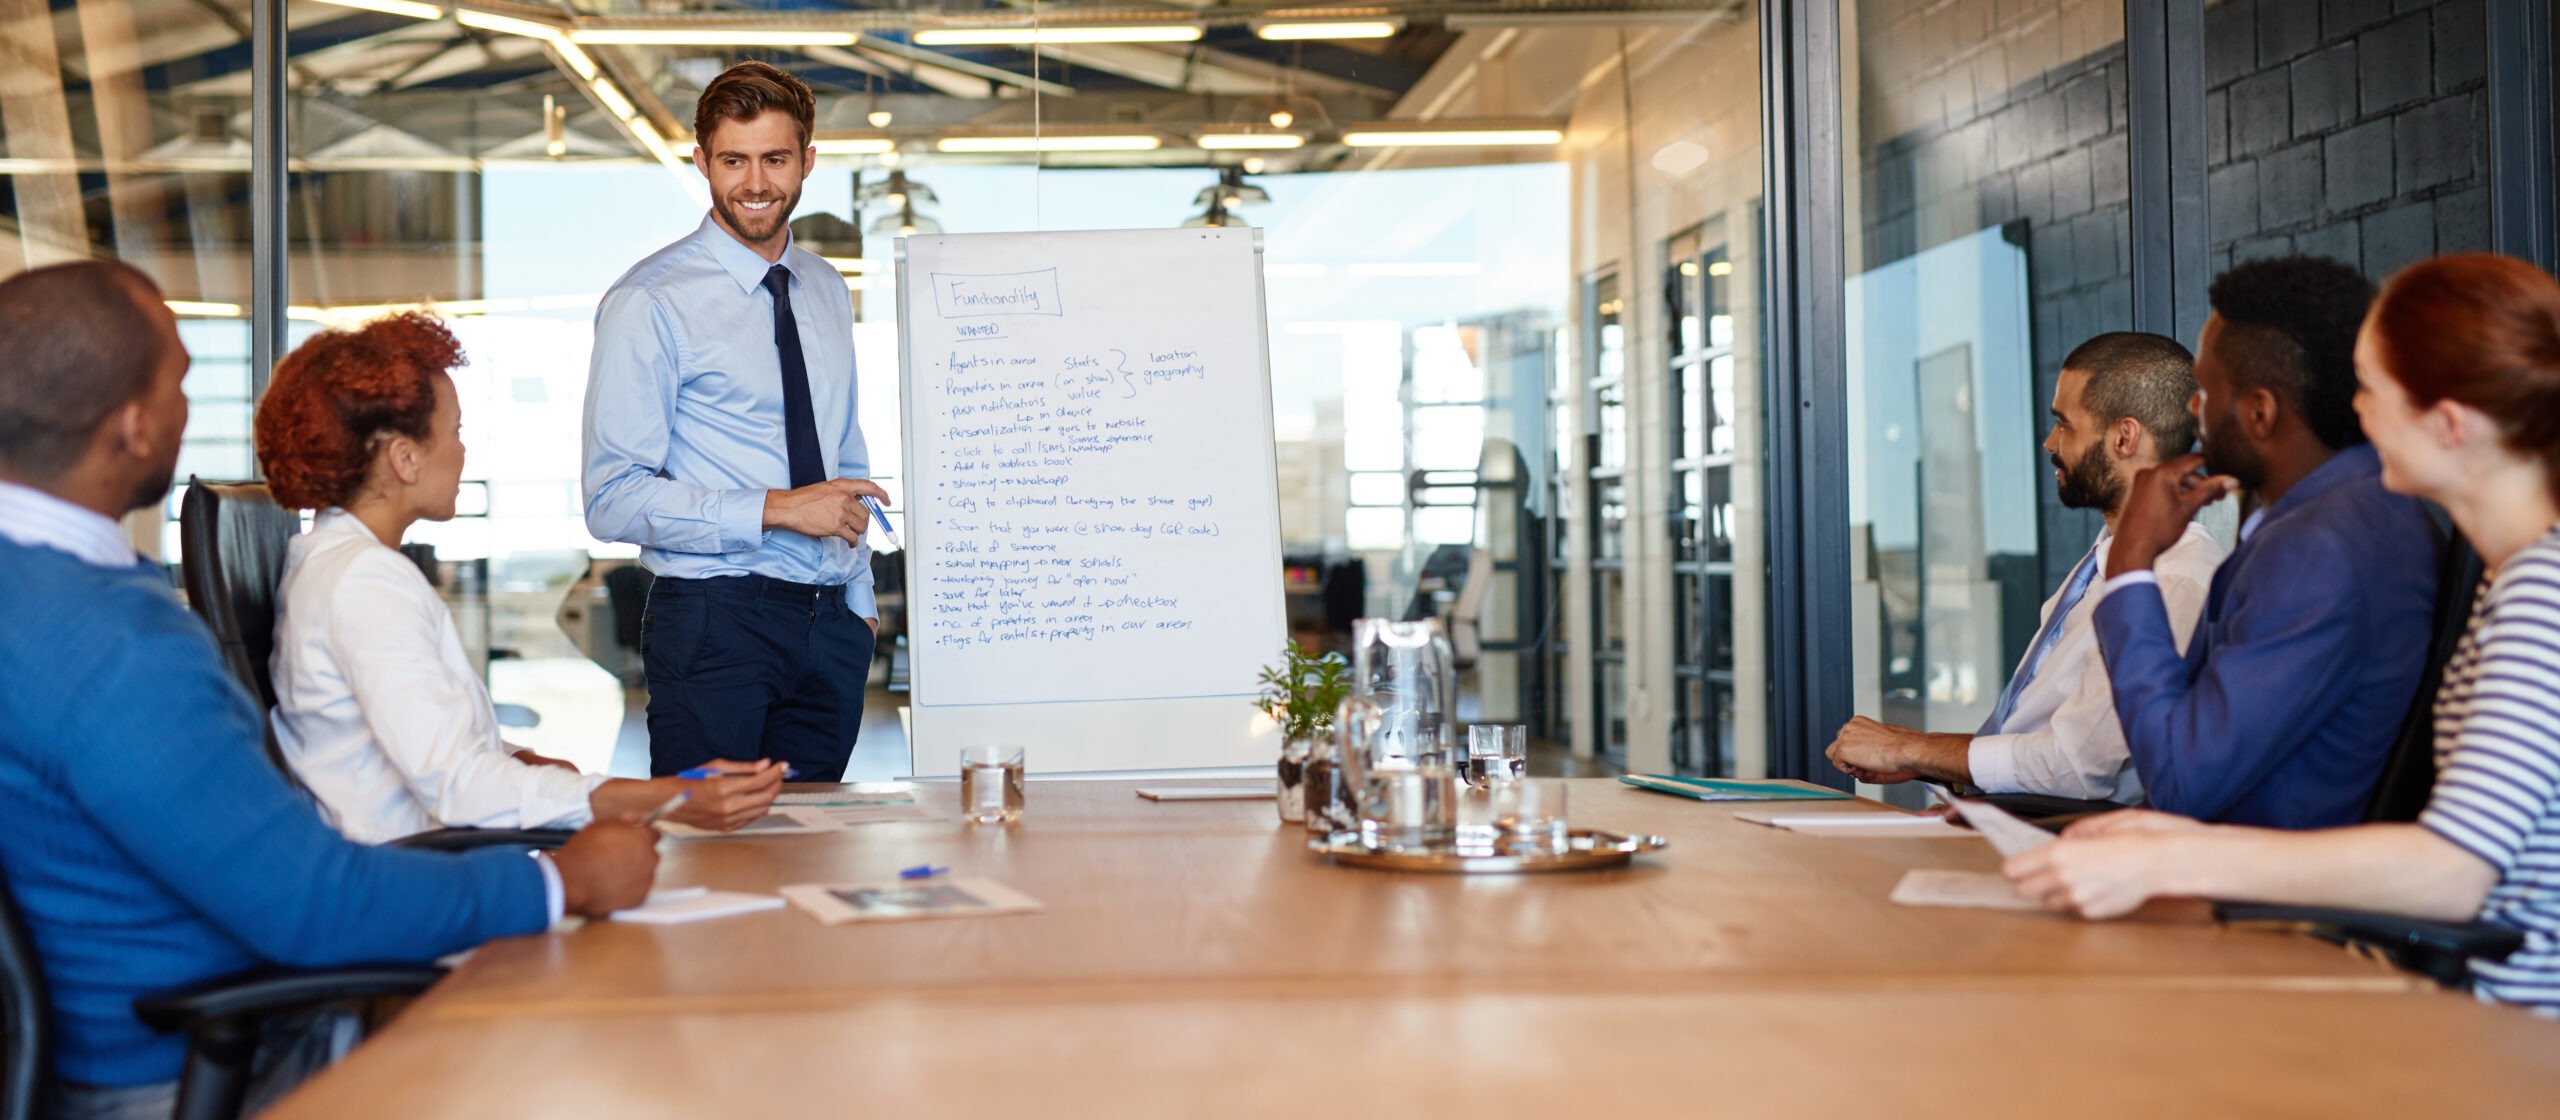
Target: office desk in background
(1193, 955)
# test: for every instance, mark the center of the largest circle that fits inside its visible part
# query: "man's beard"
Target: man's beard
(2226, 451)
(2089, 484)
(149, 493)
(751, 226)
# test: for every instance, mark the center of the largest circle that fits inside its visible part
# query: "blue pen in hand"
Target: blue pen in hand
(699, 773)
(880, 518)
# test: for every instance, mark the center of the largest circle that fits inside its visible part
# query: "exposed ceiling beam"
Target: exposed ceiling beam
(911, 53)
(950, 82)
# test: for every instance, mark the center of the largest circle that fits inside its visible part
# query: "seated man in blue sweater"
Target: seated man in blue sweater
(2315, 631)
(143, 833)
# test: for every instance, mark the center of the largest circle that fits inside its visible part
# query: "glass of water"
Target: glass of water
(1496, 752)
(1529, 817)
(991, 784)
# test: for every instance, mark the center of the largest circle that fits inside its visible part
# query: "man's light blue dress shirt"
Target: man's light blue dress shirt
(684, 414)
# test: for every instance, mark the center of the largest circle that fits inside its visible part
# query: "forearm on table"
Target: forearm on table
(2392, 868)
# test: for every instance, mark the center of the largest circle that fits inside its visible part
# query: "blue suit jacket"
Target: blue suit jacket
(2309, 652)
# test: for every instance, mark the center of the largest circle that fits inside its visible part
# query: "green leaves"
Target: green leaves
(1301, 692)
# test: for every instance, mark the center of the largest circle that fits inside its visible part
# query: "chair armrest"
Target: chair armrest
(267, 992)
(470, 839)
(2442, 950)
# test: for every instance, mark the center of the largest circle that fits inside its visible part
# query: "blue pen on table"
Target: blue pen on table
(923, 871)
(880, 517)
(699, 773)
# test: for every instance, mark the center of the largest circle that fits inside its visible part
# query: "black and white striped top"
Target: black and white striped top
(2497, 741)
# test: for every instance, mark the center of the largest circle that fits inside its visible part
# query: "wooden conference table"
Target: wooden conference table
(1194, 959)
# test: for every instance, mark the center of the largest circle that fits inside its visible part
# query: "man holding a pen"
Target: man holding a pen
(721, 438)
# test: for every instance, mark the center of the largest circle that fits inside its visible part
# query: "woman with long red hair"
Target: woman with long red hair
(2458, 372)
(377, 708)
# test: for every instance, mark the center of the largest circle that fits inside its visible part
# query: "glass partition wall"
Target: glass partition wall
(1514, 263)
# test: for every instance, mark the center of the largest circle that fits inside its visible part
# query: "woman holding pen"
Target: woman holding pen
(377, 709)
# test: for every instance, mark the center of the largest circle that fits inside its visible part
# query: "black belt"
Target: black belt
(766, 587)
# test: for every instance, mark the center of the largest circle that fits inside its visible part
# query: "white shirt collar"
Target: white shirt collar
(2250, 523)
(36, 519)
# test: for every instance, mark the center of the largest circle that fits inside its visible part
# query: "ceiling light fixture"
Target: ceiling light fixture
(578, 61)
(409, 8)
(970, 144)
(863, 146)
(1251, 141)
(1453, 138)
(1046, 36)
(713, 37)
(880, 118)
(1328, 29)
(614, 102)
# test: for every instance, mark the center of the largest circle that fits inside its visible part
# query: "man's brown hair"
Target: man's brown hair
(749, 90)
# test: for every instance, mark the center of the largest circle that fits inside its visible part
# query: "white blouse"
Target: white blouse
(379, 711)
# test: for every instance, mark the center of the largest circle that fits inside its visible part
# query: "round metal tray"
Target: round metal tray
(1589, 849)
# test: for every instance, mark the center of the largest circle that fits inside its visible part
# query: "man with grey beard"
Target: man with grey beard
(2119, 407)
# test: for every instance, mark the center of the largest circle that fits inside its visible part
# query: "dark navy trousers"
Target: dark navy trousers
(745, 667)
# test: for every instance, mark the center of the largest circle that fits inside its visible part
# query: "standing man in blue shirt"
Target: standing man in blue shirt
(721, 438)
(2315, 632)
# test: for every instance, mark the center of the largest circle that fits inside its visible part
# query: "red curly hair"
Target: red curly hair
(342, 391)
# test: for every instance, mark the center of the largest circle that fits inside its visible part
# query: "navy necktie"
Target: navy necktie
(2073, 589)
(799, 420)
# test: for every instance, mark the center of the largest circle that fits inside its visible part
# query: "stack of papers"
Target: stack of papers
(804, 820)
(1730, 789)
(1983, 890)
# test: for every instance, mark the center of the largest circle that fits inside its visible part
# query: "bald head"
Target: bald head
(83, 341)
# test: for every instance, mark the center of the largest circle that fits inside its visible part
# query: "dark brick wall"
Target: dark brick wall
(2050, 152)
(2354, 129)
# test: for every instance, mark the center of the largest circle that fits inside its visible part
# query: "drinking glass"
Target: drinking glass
(1496, 752)
(1529, 817)
(991, 784)
(1410, 808)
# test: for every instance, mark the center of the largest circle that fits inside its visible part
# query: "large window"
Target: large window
(1986, 151)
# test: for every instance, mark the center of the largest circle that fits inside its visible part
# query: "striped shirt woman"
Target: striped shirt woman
(2497, 795)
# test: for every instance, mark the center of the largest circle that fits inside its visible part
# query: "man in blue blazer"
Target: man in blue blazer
(143, 833)
(2315, 631)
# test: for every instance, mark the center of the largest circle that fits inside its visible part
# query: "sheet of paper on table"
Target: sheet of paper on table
(865, 793)
(2003, 828)
(678, 905)
(1209, 793)
(1984, 890)
(804, 820)
(907, 900)
(1894, 826)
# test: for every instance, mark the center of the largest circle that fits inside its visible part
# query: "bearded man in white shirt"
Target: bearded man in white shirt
(2121, 405)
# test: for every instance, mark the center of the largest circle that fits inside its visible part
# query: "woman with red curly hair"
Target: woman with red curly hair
(2458, 385)
(377, 708)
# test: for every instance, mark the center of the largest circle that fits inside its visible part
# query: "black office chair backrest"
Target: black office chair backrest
(2409, 771)
(26, 1038)
(234, 536)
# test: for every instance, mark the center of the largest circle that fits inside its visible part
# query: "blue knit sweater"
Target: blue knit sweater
(151, 845)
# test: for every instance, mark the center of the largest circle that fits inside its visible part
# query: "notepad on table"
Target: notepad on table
(908, 900)
(677, 905)
(1895, 826)
(1730, 789)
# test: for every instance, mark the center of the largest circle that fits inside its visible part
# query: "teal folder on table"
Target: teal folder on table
(1729, 789)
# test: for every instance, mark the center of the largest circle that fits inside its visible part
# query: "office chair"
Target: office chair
(2441, 951)
(234, 535)
(225, 1018)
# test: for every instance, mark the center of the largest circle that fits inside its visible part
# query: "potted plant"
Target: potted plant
(1300, 693)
